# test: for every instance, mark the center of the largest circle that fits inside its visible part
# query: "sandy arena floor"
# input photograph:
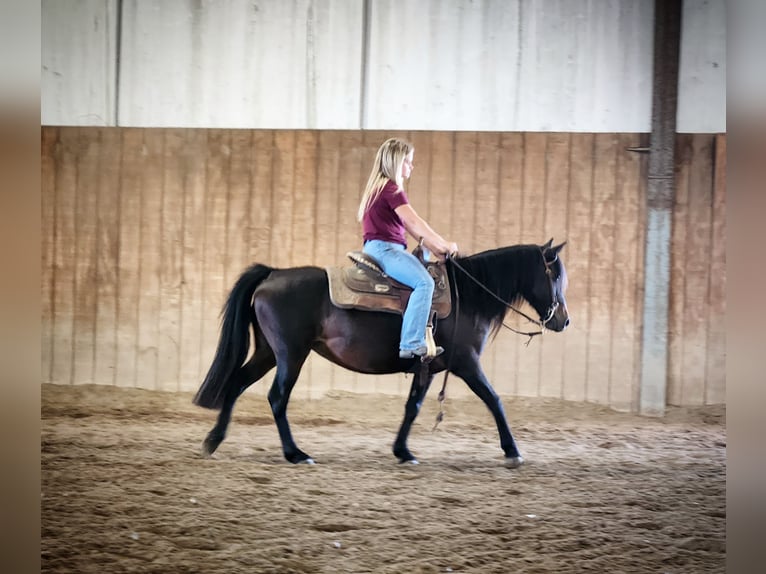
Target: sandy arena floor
(125, 490)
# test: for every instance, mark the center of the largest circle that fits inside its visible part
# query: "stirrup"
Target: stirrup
(421, 352)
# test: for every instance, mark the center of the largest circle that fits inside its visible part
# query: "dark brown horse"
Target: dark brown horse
(291, 314)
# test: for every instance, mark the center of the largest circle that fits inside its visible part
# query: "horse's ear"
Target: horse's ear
(551, 252)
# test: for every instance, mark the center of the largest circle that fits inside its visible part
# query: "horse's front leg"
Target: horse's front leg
(477, 381)
(411, 410)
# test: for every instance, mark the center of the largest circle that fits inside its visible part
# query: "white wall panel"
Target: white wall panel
(77, 80)
(702, 74)
(268, 64)
(508, 65)
(562, 65)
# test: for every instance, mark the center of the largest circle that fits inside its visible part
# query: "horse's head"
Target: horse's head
(548, 290)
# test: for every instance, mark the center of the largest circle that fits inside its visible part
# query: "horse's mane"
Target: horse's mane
(504, 271)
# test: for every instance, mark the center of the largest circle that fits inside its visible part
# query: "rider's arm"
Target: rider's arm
(418, 227)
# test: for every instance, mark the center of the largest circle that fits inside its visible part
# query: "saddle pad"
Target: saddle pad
(374, 294)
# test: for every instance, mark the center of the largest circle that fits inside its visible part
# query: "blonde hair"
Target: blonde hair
(387, 166)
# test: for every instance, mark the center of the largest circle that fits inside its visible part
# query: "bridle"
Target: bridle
(554, 301)
(542, 322)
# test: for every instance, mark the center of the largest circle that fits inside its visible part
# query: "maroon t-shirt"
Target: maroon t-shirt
(380, 221)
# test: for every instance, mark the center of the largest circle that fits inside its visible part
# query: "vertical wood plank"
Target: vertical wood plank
(86, 234)
(262, 175)
(128, 291)
(683, 158)
(533, 221)
(715, 373)
(625, 306)
(282, 211)
(557, 174)
(464, 196)
(48, 157)
(325, 251)
(697, 270)
(601, 267)
(441, 186)
(533, 188)
(150, 248)
(305, 188)
(174, 180)
(191, 368)
(576, 256)
(107, 253)
(511, 170)
(511, 183)
(65, 253)
(214, 289)
(238, 206)
(486, 184)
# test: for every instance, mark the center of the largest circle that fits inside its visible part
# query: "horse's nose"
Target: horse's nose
(566, 323)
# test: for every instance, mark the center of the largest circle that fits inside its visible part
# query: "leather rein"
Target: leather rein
(541, 322)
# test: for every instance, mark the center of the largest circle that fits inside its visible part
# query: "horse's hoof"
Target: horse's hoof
(208, 449)
(409, 461)
(308, 460)
(513, 461)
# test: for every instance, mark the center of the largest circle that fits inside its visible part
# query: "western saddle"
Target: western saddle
(365, 286)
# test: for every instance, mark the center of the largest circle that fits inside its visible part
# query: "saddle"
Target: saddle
(365, 286)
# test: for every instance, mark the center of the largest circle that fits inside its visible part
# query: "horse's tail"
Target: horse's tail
(234, 343)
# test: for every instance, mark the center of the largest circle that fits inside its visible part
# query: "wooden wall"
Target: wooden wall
(145, 230)
(697, 361)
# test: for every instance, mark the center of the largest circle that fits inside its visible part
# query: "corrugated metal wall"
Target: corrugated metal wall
(145, 230)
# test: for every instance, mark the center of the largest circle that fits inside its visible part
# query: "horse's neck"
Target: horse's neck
(500, 269)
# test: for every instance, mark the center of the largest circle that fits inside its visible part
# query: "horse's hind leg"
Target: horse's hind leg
(288, 368)
(411, 410)
(261, 363)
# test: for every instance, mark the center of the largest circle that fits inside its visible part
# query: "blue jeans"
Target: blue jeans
(403, 266)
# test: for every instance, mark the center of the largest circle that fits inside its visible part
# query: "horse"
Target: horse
(291, 314)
